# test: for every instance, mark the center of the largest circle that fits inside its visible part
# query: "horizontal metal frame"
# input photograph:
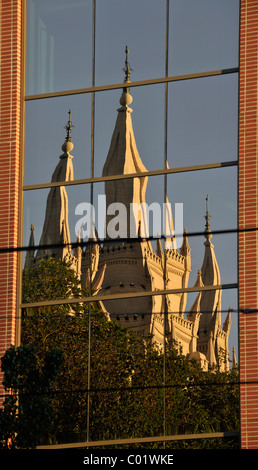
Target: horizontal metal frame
(179, 437)
(126, 295)
(82, 244)
(165, 171)
(135, 314)
(154, 81)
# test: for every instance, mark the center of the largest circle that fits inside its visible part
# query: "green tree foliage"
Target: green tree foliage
(126, 373)
(113, 349)
(26, 413)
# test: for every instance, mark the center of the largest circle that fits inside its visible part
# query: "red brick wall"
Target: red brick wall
(10, 113)
(248, 218)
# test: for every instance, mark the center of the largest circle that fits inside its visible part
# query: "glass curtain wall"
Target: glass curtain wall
(79, 292)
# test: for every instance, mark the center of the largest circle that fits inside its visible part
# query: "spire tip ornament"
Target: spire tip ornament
(69, 127)
(127, 68)
(126, 98)
(207, 216)
(68, 145)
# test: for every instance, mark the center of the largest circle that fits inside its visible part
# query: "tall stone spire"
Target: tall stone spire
(170, 242)
(29, 258)
(123, 158)
(213, 340)
(195, 312)
(234, 360)
(56, 226)
(211, 300)
(207, 216)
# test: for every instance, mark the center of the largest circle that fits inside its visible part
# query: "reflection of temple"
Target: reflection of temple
(134, 266)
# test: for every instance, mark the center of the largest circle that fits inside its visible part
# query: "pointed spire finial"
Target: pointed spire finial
(29, 258)
(185, 248)
(68, 145)
(127, 68)
(126, 98)
(69, 127)
(234, 361)
(207, 216)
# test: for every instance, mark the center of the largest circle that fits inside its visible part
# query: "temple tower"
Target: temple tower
(129, 262)
(136, 265)
(213, 336)
(56, 232)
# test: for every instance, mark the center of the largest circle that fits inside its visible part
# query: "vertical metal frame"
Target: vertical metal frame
(91, 200)
(165, 198)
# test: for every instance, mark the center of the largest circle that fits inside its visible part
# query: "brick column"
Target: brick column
(248, 218)
(10, 120)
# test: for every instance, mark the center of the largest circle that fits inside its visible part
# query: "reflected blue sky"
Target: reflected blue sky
(203, 35)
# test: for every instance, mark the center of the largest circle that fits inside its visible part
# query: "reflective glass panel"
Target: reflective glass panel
(190, 190)
(141, 25)
(59, 43)
(46, 133)
(51, 207)
(146, 132)
(126, 377)
(203, 121)
(114, 336)
(129, 218)
(203, 35)
(229, 302)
